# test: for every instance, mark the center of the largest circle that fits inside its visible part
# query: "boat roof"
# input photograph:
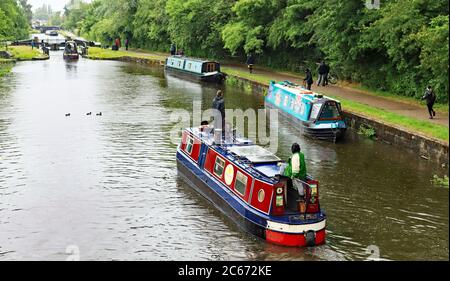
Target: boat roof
(299, 90)
(252, 158)
(254, 153)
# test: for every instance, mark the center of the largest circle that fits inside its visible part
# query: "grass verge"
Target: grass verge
(108, 54)
(22, 53)
(260, 78)
(5, 68)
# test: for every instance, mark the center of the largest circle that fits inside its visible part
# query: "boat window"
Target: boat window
(210, 67)
(218, 166)
(240, 184)
(315, 110)
(189, 145)
(330, 111)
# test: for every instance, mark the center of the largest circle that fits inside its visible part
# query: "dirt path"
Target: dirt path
(418, 112)
(403, 108)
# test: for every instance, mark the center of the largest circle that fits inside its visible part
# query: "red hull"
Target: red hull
(293, 240)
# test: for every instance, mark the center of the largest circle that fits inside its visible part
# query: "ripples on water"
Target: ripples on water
(109, 183)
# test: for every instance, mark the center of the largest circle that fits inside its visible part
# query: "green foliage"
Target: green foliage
(150, 25)
(5, 68)
(440, 181)
(399, 48)
(22, 53)
(13, 21)
(26, 9)
(367, 131)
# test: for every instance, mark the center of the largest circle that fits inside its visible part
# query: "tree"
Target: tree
(13, 22)
(26, 9)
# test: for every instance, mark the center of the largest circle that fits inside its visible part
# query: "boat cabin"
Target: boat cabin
(192, 65)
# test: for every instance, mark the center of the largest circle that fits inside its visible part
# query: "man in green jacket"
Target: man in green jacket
(296, 164)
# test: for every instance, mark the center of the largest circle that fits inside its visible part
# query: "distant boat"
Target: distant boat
(316, 115)
(197, 69)
(71, 51)
(51, 33)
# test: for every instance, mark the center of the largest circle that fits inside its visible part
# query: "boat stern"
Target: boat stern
(296, 235)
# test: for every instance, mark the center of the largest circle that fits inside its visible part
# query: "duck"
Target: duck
(67, 114)
(89, 113)
(99, 114)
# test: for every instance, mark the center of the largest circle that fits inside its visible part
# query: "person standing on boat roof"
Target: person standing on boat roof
(173, 49)
(430, 98)
(296, 167)
(219, 115)
(308, 79)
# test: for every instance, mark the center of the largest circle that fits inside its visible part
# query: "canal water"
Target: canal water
(106, 187)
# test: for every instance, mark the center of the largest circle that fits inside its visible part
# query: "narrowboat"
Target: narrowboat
(316, 115)
(70, 51)
(200, 70)
(244, 181)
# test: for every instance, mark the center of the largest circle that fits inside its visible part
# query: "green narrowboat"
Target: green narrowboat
(197, 69)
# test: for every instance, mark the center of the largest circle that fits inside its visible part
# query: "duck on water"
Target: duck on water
(246, 182)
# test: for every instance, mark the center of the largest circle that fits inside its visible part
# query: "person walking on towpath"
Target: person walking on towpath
(117, 43)
(296, 167)
(219, 115)
(173, 49)
(127, 42)
(308, 79)
(322, 70)
(250, 62)
(430, 98)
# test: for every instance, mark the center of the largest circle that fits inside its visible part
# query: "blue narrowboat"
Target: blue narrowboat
(200, 70)
(244, 181)
(316, 115)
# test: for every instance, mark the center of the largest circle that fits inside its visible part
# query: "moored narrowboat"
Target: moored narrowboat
(200, 70)
(244, 181)
(316, 115)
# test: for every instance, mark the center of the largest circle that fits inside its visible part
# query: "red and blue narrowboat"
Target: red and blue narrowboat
(315, 115)
(244, 182)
